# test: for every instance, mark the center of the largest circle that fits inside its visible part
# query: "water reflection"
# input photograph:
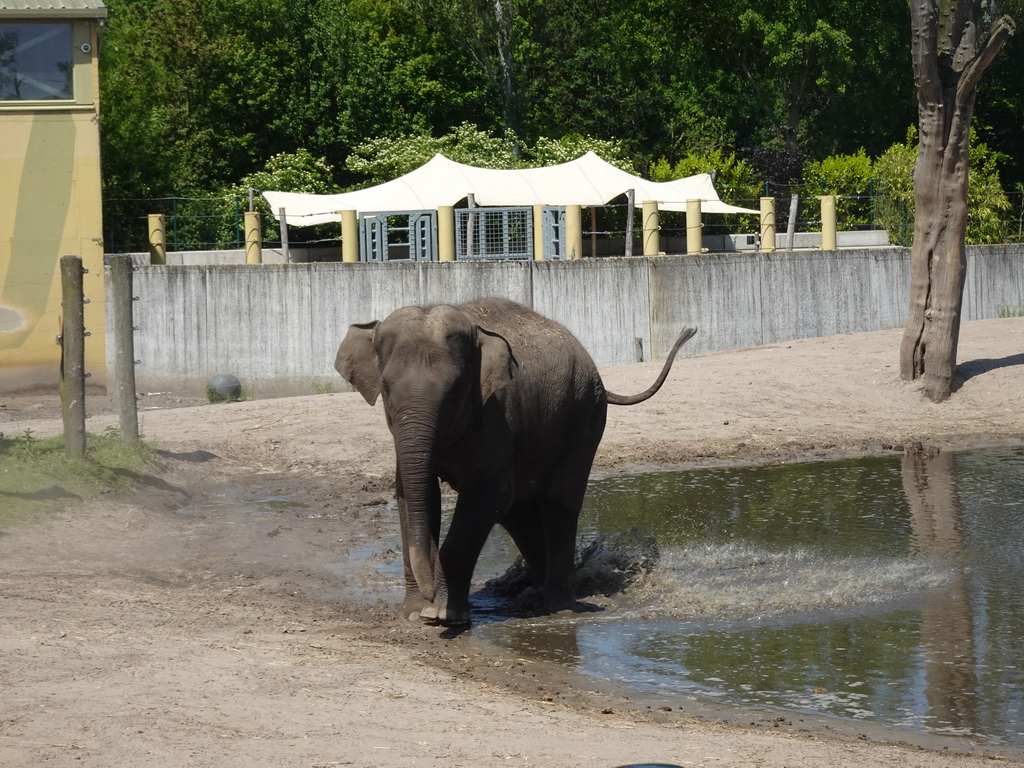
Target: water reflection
(947, 620)
(882, 589)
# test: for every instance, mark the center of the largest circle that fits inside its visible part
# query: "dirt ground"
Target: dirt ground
(161, 628)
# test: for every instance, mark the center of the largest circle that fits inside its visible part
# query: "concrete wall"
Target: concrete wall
(277, 327)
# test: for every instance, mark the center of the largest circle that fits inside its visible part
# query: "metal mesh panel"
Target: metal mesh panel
(493, 233)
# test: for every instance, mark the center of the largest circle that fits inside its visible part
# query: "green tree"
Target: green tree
(198, 93)
(999, 113)
(735, 179)
(285, 172)
(894, 203)
(374, 70)
(850, 178)
(792, 54)
(190, 91)
(639, 70)
(988, 208)
(813, 74)
(490, 32)
(547, 151)
(386, 158)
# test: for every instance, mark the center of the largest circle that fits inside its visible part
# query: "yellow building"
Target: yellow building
(50, 203)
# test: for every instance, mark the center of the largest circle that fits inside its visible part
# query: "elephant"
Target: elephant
(508, 408)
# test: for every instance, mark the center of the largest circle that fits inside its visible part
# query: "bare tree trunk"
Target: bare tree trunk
(950, 52)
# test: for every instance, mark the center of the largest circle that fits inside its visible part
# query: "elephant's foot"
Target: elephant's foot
(412, 607)
(562, 601)
(434, 614)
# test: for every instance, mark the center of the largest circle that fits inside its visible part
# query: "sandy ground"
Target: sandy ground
(163, 628)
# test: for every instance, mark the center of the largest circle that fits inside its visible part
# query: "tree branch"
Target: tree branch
(1002, 30)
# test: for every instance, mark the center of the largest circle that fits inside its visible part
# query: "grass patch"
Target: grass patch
(244, 394)
(1005, 311)
(323, 387)
(35, 476)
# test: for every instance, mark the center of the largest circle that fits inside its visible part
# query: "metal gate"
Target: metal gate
(398, 236)
(493, 233)
(554, 232)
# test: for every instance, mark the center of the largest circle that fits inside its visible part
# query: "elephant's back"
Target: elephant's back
(556, 401)
(535, 340)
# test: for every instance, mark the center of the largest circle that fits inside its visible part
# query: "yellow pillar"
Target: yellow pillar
(157, 239)
(651, 228)
(573, 232)
(694, 228)
(253, 238)
(828, 222)
(349, 237)
(768, 224)
(445, 233)
(538, 233)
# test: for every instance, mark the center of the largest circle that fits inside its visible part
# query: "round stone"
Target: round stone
(224, 387)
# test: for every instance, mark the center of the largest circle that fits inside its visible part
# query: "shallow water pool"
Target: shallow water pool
(884, 589)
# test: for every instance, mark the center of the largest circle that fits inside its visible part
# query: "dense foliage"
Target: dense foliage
(201, 97)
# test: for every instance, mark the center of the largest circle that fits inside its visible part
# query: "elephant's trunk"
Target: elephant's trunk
(414, 446)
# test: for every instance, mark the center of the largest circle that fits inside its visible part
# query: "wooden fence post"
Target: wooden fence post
(694, 228)
(538, 233)
(445, 233)
(253, 238)
(122, 290)
(651, 228)
(349, 237)
(72, 358)
(828, 222)
(574, 232)
(768, 224)
(157, 239)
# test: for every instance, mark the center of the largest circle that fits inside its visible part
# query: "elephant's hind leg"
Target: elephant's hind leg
(523, 523)
(559, 520)
(559, 513)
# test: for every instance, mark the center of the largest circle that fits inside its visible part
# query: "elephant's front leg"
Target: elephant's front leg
(471, 523)
(415, 601)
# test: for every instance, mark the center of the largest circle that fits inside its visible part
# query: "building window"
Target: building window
(36, 62)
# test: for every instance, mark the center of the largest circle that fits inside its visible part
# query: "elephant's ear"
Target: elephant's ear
(497, 364)
(357, 360)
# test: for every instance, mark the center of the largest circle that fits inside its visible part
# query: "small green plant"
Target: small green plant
(1005, 311)
(323, 387)
(212, 395)
(215, 396)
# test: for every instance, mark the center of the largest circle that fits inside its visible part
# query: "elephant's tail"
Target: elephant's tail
(614, 399)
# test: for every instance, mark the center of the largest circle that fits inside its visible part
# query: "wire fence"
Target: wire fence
(197, 224)
(217, 223)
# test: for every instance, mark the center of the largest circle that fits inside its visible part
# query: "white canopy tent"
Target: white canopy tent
(588, 180)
